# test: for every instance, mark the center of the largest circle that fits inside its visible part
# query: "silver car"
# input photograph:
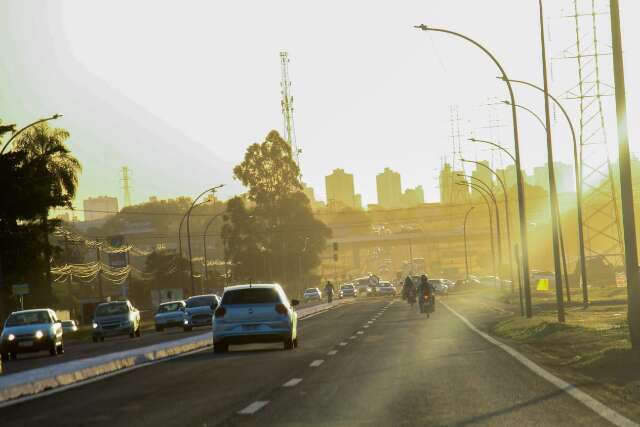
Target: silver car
(29, 331)
(199, 311)
(255, 313)
(170, 314)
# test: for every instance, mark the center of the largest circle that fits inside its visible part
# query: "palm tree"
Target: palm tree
(56, 170)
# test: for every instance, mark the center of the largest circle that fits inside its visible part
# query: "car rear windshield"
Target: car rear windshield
(68, 323)
(311, 290)
(172, 306)
(30, 318)
(251, 296)
(350, 287)
(199, 301)
(112, 309)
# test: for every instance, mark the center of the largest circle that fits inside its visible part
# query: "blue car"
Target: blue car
(170, 315)
(30, 331)
(199, 311)
(255, 314)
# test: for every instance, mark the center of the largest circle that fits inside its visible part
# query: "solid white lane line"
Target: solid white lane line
(365, 326)
(332, 353)
(254, 407)
(344, 343)
(360, 332)
(292, 382)
(316, 363)
(596, 406)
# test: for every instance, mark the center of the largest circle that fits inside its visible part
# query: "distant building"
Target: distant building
(413, 197)
(450, 192)
(99, 208)
(508, 176)
(308, 191)
(389, 189)
(340, 190)
(357, 201)
(563, 174)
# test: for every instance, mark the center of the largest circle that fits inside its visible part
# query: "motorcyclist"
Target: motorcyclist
(409, 290)
(329, 290)
(426, 293)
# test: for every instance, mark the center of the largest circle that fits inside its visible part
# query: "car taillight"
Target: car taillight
(281, 309)
(220, 312)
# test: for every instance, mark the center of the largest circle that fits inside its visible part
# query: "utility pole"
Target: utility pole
(126, 186)
(626, 184)
(466, 251)
(552, 179)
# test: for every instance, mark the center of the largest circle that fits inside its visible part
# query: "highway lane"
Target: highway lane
(81, 349)
(369, 363)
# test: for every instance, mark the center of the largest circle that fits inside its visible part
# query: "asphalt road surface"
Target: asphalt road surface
(370, 363)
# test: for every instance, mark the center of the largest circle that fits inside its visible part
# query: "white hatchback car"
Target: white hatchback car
(255, 314)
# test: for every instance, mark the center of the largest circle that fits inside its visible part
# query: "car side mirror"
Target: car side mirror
(294, 302)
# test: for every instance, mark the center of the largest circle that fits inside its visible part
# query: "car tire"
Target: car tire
(138, 332)
(61, 348)
(4, 357)
(53, 350)
(288, 344)
(94, 338)
(159, 328)
(187, 328)
(220, 348)
(132, 333)
(101, 339)
(295, 343)
(13, 356)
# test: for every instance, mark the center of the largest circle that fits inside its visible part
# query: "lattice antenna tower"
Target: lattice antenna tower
(457, 193)
(602, 218)
(125, 180)
(287, 107)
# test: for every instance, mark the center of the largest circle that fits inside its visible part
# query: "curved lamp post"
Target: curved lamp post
(555, 213)
(493, 249)
(54, 117)
(184, 217)
(578, 178)
(506, 208)
(212, 190)
(466, 251)
(516, 140)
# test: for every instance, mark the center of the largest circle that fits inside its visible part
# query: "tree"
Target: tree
(272, 235)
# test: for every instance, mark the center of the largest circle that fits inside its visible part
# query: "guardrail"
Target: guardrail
(34, 381)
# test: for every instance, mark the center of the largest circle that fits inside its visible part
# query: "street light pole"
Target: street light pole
(519, 181)
(555, 211)
(493, 250)
(466, 251)
(578, 178)
(506, 209)
(212, 190)
(626, 183)
(54, 117)
(552, 178)
(204, 243)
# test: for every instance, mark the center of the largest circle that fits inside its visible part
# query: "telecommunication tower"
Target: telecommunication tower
(287, 107)
(603, 235)
(126, 185)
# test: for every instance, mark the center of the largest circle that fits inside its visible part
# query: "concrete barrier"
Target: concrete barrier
(34, 381)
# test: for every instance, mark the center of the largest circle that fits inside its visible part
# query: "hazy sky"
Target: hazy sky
(177, 90)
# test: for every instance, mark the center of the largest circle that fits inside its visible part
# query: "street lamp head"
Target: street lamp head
(506, 102)
(421, 27)
(56, 116)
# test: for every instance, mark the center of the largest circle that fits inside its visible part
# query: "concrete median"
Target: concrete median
(35, 381)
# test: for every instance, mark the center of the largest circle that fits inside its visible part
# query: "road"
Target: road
(370, 363)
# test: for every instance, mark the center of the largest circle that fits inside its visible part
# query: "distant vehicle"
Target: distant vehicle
(29, 331)
(69, 326)
(347, 291)
(386, 289)
(255, 313)
(363, 283)
(170, 315)
(312, 294)
(115, 318)
(439, 286)
(199, 311)
(372, 290)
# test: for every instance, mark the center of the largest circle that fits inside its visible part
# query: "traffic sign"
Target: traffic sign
(20, 289)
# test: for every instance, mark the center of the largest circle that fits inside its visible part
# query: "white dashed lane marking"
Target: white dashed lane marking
(292, 382)
(343, 343)
(316, 363)
(254, 407)
(365, 326)
(353, 337)
(332, 353)
(360, 332)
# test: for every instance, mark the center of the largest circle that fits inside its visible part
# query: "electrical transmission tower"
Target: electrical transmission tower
(126, 185)
(603, 235)
(287, 107)
(458, 194)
